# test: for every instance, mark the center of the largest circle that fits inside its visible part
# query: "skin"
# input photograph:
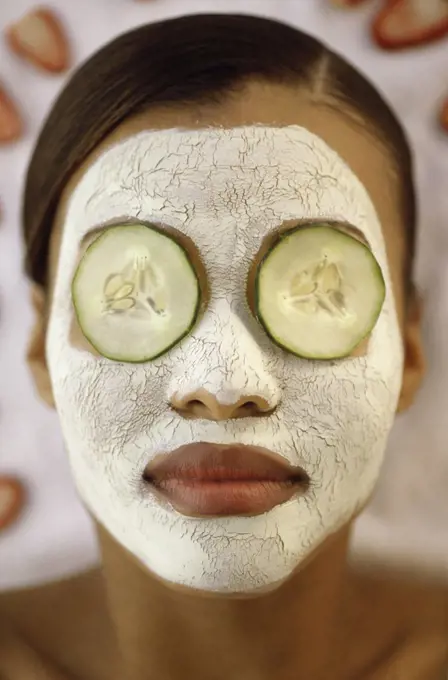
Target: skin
(261, 103)
(343, 134)
(299, 623)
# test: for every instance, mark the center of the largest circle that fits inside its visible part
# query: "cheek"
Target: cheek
(341, 415)
(119, 404)
(335, 415)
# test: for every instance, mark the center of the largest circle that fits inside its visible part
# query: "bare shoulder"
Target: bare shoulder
(395, 628)
(65, 623)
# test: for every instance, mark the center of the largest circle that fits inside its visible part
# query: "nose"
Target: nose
(201, 404)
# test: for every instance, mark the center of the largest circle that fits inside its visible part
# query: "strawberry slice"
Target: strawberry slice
(346, 3)
(443, 115)
(40, 38)
(407, 23)
(12, 499)
(11, 126)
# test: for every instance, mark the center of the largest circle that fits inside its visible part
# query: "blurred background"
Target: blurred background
(406, 56)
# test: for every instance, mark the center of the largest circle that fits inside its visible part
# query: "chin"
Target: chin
(232, 557)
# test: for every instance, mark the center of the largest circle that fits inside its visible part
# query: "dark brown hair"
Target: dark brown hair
(199, 58)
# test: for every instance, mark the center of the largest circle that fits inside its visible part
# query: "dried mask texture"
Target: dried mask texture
(226, 189)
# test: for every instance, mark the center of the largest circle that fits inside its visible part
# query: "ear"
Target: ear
(35, 355)
(414, 360)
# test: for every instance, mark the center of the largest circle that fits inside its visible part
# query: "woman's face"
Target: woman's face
(223, 182)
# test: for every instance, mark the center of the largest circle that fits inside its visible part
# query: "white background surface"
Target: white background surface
(407, 522)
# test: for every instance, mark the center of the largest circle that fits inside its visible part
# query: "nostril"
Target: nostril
(251, 408)
(202, 404)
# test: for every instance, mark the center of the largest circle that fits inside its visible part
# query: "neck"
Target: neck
(181, 635)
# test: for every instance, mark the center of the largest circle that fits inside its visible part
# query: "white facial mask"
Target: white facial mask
(226, 189)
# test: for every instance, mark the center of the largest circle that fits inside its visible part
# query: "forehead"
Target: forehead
(276, 106)
(234, 182)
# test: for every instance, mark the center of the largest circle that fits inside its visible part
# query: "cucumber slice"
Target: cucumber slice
(135, 293)
(318, 292)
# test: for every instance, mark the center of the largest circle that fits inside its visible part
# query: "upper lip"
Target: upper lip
(206, 462)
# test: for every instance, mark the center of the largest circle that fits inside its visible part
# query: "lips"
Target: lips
(204, 479)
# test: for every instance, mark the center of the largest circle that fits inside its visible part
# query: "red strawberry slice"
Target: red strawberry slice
(12, 499)
(40, 38)
(11, 126)
(346, 3)
(443, 115)
(407, 23)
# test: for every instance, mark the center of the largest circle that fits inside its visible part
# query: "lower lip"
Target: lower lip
(202, 498)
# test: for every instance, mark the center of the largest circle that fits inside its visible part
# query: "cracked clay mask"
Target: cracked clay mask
(227, 190)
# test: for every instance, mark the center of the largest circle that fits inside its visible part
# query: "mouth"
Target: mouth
(204, 480)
